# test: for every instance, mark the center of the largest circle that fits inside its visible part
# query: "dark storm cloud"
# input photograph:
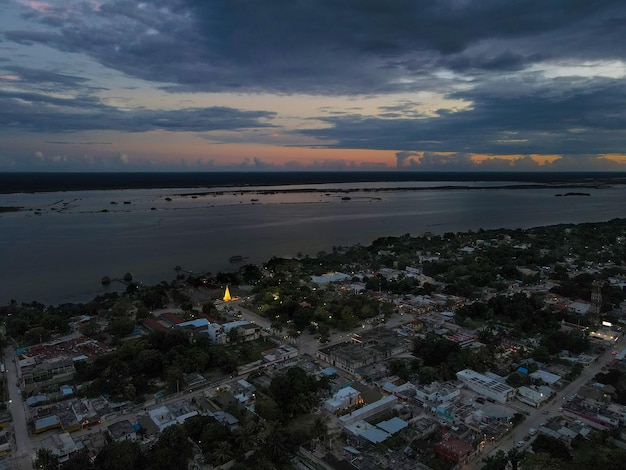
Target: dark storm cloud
(327, 46)
(37, 112)
(579, 120)
(504, 61)
(486, 53)
(47, 81)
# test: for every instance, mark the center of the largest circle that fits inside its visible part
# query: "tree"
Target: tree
(121, 327)
(244, 439)
(46, 460)
(172, 450)
(498, 461)
(542, 461)
(222, 453)
(554, 447)
(276, 446)
(209, 308)
(514, 456)
(78, 461)
(125, 455)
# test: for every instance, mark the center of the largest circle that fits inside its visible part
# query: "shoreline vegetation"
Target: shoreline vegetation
(340, 192)
(240, 265)
(61, 182)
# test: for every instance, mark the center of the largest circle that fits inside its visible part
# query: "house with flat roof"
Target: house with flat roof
(280, 356)
(453, 449)
(47, 423)
(385, 403)
(344, 399)
(174, 413)
(123, 431)
(62, 445)
(486, 386)
(548, 378)
(368, 348)
(534, 396)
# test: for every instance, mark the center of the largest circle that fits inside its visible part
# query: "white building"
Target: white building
(534, 396)
(174, 413)
(486, 386)
(436, 393)
(385, 403)
(280, 355)
(344, 398)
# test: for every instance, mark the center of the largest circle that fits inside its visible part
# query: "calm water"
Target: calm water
(58, 248)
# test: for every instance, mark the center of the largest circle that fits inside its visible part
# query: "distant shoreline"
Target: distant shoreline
(58, 182)
(403, 189)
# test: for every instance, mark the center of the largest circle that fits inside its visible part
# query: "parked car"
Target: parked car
(520, 444)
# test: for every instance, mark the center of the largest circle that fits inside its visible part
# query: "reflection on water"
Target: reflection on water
(58, 248)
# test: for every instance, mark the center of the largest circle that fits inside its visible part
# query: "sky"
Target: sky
(327, 85)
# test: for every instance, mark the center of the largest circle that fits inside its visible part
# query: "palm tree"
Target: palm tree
(276, 326)
(244, 440)
(222, 453)
(514, 456)
(276, 446)
(46, 460)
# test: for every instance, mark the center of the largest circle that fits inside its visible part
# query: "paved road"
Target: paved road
(537, 417)
(25, 451)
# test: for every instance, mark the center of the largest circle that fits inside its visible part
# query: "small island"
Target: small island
(11, 208)
(572, 194)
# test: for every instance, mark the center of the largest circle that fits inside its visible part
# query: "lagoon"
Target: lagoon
(58, 247)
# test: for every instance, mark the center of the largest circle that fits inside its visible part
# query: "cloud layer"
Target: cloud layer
(439, 77)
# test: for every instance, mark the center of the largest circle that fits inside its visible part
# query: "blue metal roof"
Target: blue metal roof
(393, 425)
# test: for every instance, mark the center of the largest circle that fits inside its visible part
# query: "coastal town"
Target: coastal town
(491, 349)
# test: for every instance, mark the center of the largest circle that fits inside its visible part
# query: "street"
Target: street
(25, 452)
(536, 417)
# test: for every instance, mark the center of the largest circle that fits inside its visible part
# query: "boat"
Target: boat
(237, 258)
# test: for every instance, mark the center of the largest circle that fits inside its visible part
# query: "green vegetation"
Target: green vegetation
(130, 370)
(486, 269)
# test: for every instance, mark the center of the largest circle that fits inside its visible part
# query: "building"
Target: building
(153, 325)
(368, 348)
(47, 423)
(174, 413)
(280, 356)
(171, 318)
(435, 393)
(62, 445)
(41, 375)
(453, 449)
(123, 431)
(486, 386)
(385, 403)
(534, 396)
(546, 377)
(344, 400)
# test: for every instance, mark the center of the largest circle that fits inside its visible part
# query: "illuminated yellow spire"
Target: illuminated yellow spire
(227, 295)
